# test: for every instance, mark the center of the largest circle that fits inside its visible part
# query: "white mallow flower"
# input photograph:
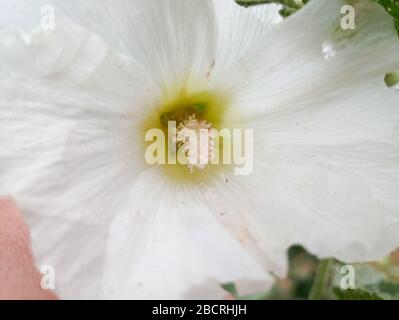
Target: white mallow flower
(77, 96)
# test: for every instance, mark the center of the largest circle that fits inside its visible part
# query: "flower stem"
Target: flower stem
(321, 278)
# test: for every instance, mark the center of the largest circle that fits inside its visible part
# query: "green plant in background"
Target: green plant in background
(310, 278)
(375, 281)
(355, 294)
(289, 7)
(392, 7)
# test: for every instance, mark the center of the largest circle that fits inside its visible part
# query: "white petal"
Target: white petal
(239, 30)
(326, 137)
(329, 174)
(166, 244)
(333, 208)
(173, 39)
(40, 53)
(22, 14)
(70, 148)
(289, 65)
(357, 128)
(367, 112)
(74, 249)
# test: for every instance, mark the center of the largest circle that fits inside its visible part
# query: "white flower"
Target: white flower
(72, 111)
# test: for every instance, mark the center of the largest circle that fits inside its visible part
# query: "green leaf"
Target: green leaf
(299, 281)
(385, 289)
(391, 290)
(256, 296)
(321, 279)
(392, 79)
(392, 7)
(355, 294)
(379, 278)
(230, 287)
(247, 3)
(289, 7)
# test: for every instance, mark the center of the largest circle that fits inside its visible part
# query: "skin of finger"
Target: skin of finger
(19, 278)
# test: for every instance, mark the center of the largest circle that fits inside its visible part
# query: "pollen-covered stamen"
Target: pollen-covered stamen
(197, 140)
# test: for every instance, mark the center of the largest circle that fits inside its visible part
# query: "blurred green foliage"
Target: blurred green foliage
(355, 294)
(289, 7)
(392, 7)
(373, 281)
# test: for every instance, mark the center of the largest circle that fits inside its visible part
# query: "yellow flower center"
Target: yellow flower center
(200, 113)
